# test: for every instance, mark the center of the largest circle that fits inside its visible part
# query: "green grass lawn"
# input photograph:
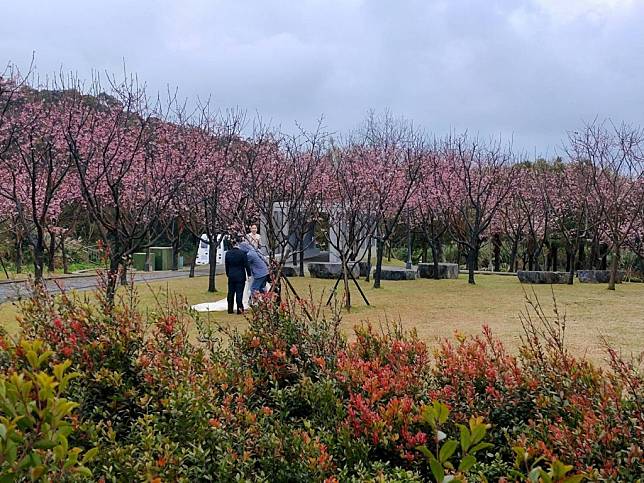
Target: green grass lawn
(28, 270)
(437, 308)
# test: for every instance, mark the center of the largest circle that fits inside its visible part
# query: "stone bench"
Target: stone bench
(598, 276)
(397, 273)
(445, 270)
(330, 270)
(540, 277)
(290, 271)
(363, 268)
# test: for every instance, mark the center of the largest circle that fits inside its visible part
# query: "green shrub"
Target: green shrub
(36, 420)
(289, 399)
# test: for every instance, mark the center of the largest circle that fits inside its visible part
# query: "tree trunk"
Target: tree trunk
(380, 248)
(175, 253)
(571, 269)
(513, 255)
(18, 247)
(193, 263)
(581, 257)
(38, 250)
(112, 278)
(554, 257)
(63, 254)
(368, 277)
(471, 264)
(435, 260)
(123, 273)
(212, 264)
(51, 264)
(593, 262)
(302, 255)
(604, 257)
(476, 256)
(4, 268)
(497, 252)
(614, 265)
(347, 291)
(147, 266)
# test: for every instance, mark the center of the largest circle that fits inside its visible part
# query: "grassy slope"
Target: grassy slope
(438, 308)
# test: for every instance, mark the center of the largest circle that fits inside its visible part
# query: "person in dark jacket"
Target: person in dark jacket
(258, 268)
(237, 268)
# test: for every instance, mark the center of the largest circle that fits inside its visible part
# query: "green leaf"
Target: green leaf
(447, 450)
(442, 411)
(522, 456)
(429, 416)
(44, 356)
(83, 470)
(478, 433)
(91, 454)
(535, 474)
(575, 479)
(37, 472)
(481, 446)
(559, 470)
(465, 437)
(437, 470)
(466, 463)
(33, 359)
(3, 431)
(423, 449)
(45, 444)
(11, 452)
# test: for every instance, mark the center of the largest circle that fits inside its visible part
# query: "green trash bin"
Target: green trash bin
(138, 261)
(163, 258)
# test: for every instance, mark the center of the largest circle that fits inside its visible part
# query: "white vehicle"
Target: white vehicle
(203, 253)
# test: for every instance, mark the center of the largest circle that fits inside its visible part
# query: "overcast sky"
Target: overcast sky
(527, 69)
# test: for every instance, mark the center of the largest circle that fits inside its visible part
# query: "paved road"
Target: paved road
(17, 290)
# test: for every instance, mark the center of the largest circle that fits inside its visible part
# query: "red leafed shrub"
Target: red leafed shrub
(79, 330)
(384, 375)
(476, 373)
(545, 400)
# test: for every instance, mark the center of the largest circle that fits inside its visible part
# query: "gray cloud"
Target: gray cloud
(530, 69)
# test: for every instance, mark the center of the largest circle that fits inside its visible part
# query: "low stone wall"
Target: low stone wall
(445, 270)
(397, 273)
(542, 277)
(330, 270)
(598, 276)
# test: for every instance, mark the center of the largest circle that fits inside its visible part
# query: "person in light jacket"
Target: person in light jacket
(258, 268)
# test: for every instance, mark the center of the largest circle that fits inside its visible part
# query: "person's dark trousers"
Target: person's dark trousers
(236, 290)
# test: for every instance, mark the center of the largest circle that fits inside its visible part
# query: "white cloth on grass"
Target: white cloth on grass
(222, 305)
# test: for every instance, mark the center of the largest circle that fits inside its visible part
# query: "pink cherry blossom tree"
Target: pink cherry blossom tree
(212, 201)
(36, 167)
(429, 206)
(349, 205)
(392, 153)
(481, 179)
(279, 173)
(127, 175)
(615, 156)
